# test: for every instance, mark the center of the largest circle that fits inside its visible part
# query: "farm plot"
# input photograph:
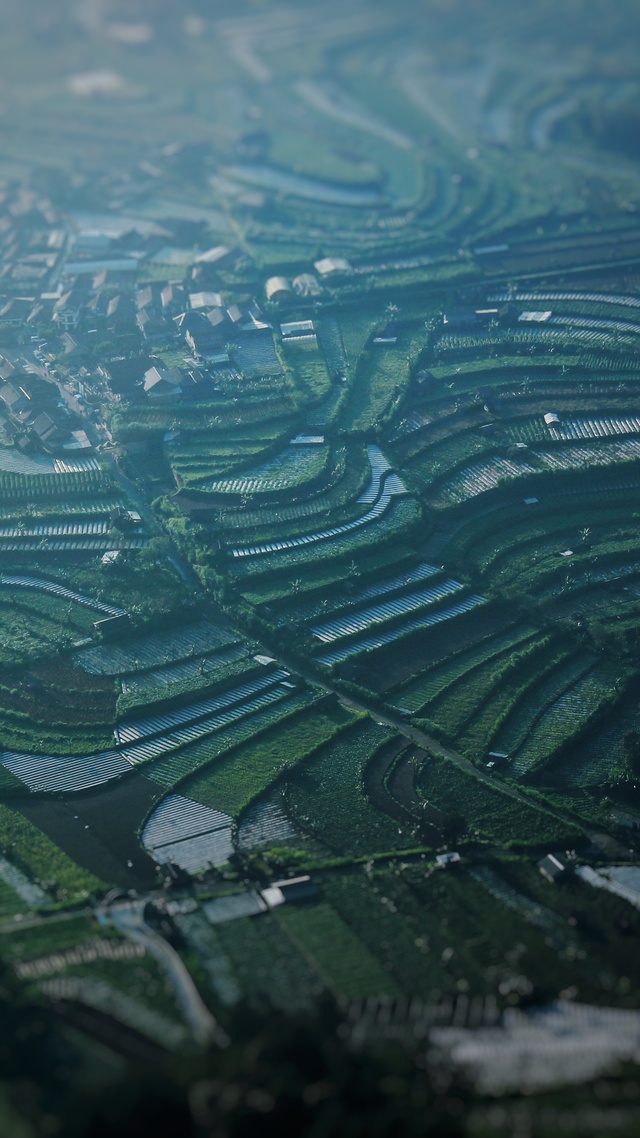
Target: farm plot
(207, 665)
(290, 469)
(48, 774)
(404, 932)
(185, 833)
(243, 774)
(325, 795)
(256, 356)
(14, 462)
(54, 529)
(381, 377)
(490, 473)
(573, 457)
(576, 297)
(198, 459)
(451, 342)
(33, 630)
(331, 342)
(480, 808)
(130, 732)
(174, 767)
(60, 591)
(269, 962)
(482, 476)
(359, 620)
(52, 729)
(530, 709)
(563, 720)
(599, 757)
(379, 467)
(598, 324)
(417, 693)
(349, 969)
(146, 652)
(344, 479)
(367, 541)
(470, 699)
(381, 588)
(86, 544)
(348, 478)
(308, 367)
(393, 488)
(90, 507)
(266, 823)
(53, 487)
(337, 655)
(594, 428)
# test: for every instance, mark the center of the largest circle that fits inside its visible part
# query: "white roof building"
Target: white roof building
(329, 266)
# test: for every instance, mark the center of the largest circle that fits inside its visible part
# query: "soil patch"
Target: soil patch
(99, 829)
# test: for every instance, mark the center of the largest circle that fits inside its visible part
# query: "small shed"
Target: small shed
(333, 266)
(536, 317)
(276, 287)
(291, 890)
(553, 867)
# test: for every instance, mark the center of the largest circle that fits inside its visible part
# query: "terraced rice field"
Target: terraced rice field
(192, 669)
(57, 590)
(563, 719)
(393, 488)
(42, 773)
(337, 655)
(361, 619)
(146, 652)
(291, 468)
(418, 693)
(185, 833)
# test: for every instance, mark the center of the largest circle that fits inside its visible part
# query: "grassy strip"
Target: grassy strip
(41, 860)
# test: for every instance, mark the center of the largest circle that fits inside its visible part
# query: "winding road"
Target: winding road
(128, 918)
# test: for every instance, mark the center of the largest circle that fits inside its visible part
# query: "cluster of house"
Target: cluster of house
(33, 417)
(219, 343)
(84, 299)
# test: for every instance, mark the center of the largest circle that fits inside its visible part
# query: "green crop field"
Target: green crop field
(41, 861)
(325, 795)
(249, 769)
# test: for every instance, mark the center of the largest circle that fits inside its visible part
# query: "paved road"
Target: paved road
(128, 918)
